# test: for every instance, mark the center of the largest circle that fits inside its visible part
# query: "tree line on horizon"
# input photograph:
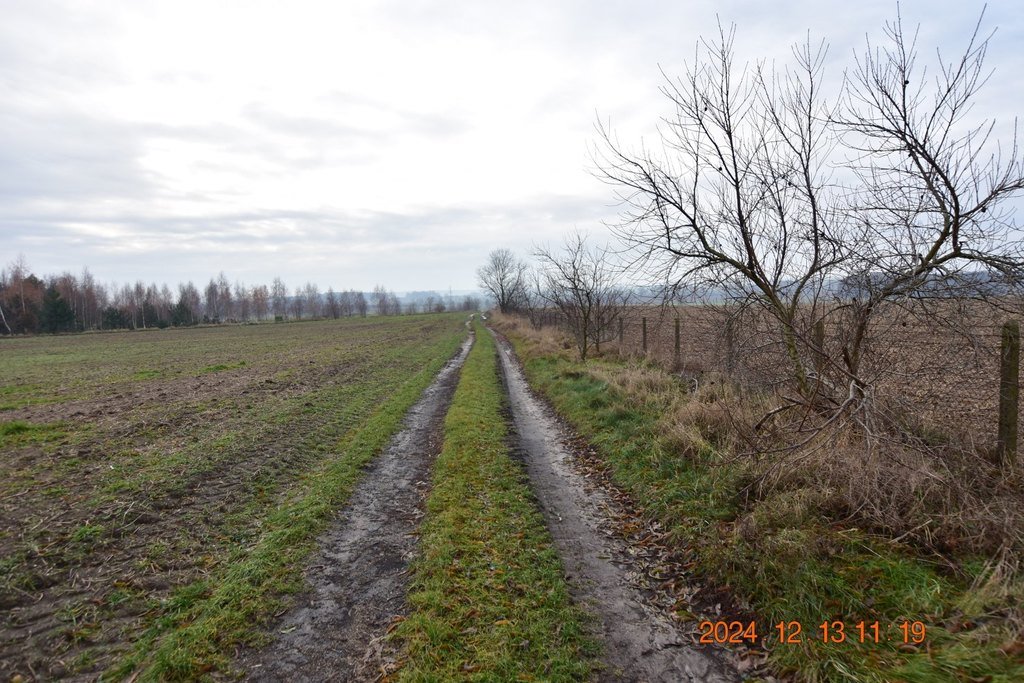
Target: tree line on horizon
(31, 304)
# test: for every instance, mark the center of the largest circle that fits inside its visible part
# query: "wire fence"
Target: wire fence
(943, 369)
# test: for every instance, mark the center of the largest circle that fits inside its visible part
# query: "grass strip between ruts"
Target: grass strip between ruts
(489, 599)
(210, 619)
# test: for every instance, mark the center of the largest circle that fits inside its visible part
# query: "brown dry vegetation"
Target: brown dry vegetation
(137, 466)
(925, 472)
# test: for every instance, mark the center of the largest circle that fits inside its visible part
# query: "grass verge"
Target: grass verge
(783, 556)
(489, 599)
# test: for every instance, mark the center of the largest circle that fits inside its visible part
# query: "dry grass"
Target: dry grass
(547, 341)
(944, 500)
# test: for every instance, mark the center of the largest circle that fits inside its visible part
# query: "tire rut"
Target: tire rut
(640, 642)
(358, 580)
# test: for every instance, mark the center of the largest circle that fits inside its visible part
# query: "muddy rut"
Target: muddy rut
(640, 642)
(358, 581)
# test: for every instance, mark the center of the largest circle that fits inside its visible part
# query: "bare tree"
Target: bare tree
(212, 301)
(332, 303)
(298, 304)
(260, 301)
(361, 306)
(739, 201)
(225, 304)
(767, 194)
(91, 301)
(380, 300)
(279, 298)
(385, 301)
(19, 274)
(932, 191)
(243, 302)
(138, 299)
(504, 278)
(312, 294)
(580, 282)
(165, 308)
(347, 303)
(3, 319)
(535, 304)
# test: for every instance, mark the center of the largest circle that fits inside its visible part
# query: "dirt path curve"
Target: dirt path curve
(358, 580)
(640, 643)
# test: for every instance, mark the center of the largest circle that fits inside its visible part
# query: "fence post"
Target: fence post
(676, 357)
(1009, 393)
(643, 322)
(620, 335)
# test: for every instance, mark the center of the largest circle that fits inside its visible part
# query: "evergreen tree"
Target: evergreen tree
(55, 315)
(181, 314)
(114, 318)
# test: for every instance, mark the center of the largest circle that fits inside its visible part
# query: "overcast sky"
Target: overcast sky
(353, 143)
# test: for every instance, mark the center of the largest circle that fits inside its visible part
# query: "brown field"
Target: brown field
(136, 468)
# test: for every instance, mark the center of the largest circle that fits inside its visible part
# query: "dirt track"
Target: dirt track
(357, 582)
(640, 643)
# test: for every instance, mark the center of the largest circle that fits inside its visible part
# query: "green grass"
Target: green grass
(489, 601)
(87, 533)
(220, 367)
(788, 561)
(18, 433)
(13, 396)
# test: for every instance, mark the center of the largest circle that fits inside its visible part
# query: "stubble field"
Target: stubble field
(157, 486)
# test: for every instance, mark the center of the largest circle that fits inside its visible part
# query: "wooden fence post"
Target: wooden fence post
(1009, 393)
(643, 322)
(620, 335)
(677, 355)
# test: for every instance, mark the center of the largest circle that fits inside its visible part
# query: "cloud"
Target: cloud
(359, 142)
(343, 249)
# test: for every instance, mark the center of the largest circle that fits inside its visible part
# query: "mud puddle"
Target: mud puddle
(358, 579)
(640, 642)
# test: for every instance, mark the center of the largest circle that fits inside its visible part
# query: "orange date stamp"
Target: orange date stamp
(828, 631)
